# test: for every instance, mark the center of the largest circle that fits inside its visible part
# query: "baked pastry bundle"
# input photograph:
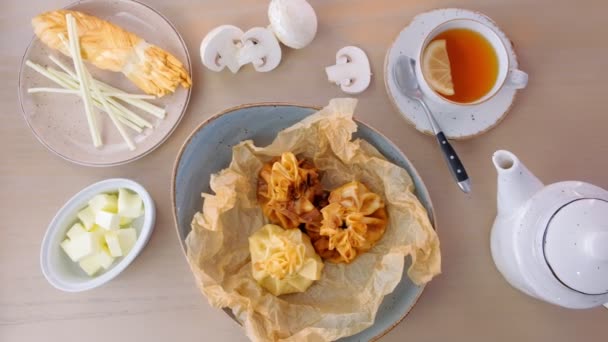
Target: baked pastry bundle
(287, 191)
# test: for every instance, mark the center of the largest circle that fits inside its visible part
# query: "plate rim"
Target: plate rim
(232, 109)
(142, 154)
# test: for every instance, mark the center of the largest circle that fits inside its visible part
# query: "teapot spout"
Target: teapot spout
(516, 184)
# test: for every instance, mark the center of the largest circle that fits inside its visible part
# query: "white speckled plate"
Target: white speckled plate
(462, 124)
(58, 120)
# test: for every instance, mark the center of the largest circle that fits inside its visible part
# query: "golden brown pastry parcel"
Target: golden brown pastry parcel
(287, 189)
(353, 221)
(109, 47)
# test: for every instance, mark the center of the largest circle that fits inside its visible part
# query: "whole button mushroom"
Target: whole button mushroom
(351, 71)
(220, 48)
(293, 21)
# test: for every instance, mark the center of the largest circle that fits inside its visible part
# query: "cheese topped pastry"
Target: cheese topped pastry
(283, 260)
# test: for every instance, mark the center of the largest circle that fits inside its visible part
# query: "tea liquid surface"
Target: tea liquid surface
(473, 63)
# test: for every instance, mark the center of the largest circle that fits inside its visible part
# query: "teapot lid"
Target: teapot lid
(576, 245)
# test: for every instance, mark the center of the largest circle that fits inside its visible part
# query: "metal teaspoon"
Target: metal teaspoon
(407, 83)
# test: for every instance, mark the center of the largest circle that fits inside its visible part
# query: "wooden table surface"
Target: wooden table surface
(557, 127)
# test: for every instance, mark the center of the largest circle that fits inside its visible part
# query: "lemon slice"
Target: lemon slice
(436, 67)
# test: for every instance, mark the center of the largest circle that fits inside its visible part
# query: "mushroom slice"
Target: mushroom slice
(351, 71)
(261, 48)
(220, 48)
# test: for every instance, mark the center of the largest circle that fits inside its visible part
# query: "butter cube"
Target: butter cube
(113, 244)
(66, 245)
(90, 265)
(129, 204)
(97, 229)
(127, 238)
(87, 216)
(99, 232)
(81, 246)
(104, 258)
(104, 202)
(107, 220)
(76, 230)
(125, 221)
(121, 241)
(93, 263)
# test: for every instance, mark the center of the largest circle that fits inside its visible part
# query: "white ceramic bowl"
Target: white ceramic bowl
(66, 275)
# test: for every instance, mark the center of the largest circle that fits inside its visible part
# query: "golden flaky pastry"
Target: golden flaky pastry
(110, 47)
(353, 222)
(283, 260)
(287, 189)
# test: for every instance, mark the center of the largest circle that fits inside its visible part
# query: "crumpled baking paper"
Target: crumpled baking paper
(346, 298)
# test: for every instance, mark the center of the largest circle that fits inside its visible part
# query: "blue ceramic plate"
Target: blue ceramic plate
(209, 150)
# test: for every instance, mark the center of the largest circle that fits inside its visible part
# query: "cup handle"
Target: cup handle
(517, 79)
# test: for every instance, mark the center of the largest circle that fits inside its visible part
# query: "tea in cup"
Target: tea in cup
(463, 62)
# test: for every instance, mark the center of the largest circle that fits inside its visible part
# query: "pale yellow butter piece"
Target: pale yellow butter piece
(127, 238)
(90, 265)
(129, 204)
(94, 263)
(81, 246)
(113, 244)
(104, 258)
(76, 230)
(106, 220)
(66, 245)
(87, 216)
(105, 202)
(125, 221)
(121, 241)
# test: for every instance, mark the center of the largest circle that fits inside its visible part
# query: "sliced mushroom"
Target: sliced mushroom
(351, 71)
(261, 48)
(220, 48)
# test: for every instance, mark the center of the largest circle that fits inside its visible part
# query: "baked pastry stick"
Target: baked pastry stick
(109, 47)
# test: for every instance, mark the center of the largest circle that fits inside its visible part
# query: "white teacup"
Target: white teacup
(507, 76)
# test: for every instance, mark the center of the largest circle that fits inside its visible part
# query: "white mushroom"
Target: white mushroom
(293, 21)
(351, 71)
(220, 48)
(261, 48)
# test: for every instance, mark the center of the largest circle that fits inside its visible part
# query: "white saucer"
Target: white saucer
(462, 124)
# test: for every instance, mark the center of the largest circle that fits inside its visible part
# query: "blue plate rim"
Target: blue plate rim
(232, 109)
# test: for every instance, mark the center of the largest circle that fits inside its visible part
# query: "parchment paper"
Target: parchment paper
(346, 298)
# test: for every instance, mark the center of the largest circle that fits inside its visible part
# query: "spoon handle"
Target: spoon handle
(454, 163)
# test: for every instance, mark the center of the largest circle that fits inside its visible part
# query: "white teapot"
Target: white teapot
(551, 242)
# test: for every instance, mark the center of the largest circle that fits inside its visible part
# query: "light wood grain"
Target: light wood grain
(557, 127)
